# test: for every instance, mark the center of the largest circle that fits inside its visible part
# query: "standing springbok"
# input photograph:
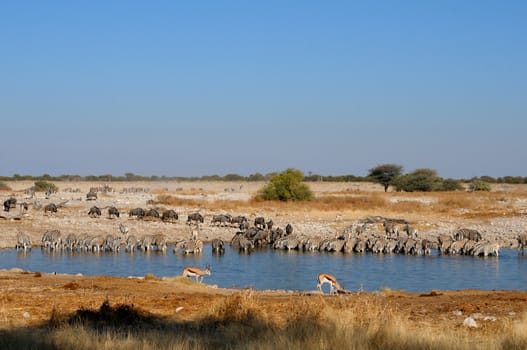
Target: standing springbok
(191, 271)
(334, 285)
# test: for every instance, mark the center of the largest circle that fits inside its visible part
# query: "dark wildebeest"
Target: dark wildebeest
(270, 224)
(91, 196)
(195, 217)
(139, 212)
(51, 207)
(169, 215)
(238, 220)
(467, 233)
(221, 220)
(152, 213)
(113, 212)
(288, 229)
(259, 222)
(94, 212)
(9, 204)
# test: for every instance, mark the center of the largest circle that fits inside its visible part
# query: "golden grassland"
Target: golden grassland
(464, 205)
(246, 321)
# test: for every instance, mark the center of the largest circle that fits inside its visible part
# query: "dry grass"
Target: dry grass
(239, 322)
(468, 205)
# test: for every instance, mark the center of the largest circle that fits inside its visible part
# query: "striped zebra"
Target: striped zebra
(467, 233)
(522, 241)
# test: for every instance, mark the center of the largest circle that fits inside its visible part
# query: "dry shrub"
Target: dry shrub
(71, 286)
(151, 277)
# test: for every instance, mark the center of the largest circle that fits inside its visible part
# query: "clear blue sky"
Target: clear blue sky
(191, 88)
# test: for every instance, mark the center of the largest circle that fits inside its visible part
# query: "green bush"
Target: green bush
(286, 186)
(44, 186)
(451, 185)
(420, 180)
(480, 186)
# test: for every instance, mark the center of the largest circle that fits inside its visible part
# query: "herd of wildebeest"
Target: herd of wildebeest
(377, 235)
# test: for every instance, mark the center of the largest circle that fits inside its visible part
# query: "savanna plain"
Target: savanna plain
(48, 311)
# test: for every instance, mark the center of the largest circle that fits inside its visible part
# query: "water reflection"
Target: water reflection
(270, 269)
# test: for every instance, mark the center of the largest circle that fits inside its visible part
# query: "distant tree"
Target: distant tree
(256, 177)
(233, 177)
(451, 185)
(44, 186)
(419, 180)
(385, 174)
(286, 186)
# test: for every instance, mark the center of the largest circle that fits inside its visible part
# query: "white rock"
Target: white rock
(458, 313)
(26, 314)
(179, 308)
(470, 322)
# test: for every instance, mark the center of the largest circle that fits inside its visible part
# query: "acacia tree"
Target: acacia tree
(385, 174)
(286, 186)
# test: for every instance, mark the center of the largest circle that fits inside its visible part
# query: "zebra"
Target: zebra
(218, 246)
(467, 233)
(51, 239)
(159, 241)
(522, 242)
(193, 247)
(23, 242)
(391, 228)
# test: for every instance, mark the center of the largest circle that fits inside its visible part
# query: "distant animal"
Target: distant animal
(9, 204)
(195, 218)
(191, 271)
(259, 222)
(138, 212)
(123, 229)
(51, 207)
(152, 213)
(169, 215)
(221, 220)
(334, 285)
(270, 224)
(23, 242)
(113, 212)
(522, 241)
(91, 196)
(288, 229)
(467, 233)
(94, 212)
(218, 246)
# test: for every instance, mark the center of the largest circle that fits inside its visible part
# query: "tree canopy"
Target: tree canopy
(385, 174)
(286, 186)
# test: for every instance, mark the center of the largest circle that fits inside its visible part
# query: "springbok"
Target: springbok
(334, 285)
(191, 271)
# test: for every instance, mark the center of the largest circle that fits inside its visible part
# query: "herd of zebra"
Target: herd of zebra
(54, 240)
(397, 237)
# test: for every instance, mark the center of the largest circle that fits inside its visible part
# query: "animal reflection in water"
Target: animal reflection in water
(191, 271)
(334, 285)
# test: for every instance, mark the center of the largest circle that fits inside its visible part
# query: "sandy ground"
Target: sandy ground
(29, 298)
(73, 216)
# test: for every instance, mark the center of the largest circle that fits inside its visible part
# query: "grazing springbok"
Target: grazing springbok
(334, 285)
(191, 271)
